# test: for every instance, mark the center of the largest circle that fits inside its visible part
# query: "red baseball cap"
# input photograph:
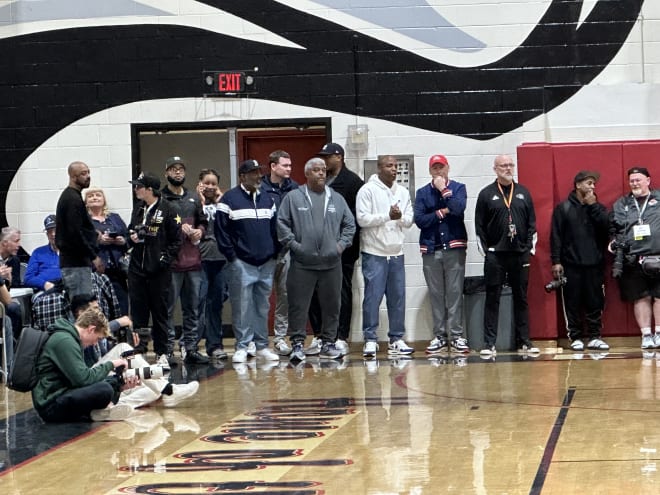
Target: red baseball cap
(438, 159)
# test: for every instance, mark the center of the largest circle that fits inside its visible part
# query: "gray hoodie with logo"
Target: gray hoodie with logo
(311, 247)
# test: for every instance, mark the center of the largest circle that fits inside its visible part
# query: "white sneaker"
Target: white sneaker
(647, 341)
(163, 361)
(240, 356)
(180, 393)
(281, 347)
(117, 412)
(252, 349)
(598, 345)
(370, 349)
(267, 354)
(341, 346)
(577, 345)
(399, 348)
(314, 348)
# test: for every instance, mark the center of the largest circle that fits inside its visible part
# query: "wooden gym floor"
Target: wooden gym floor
(555, 424)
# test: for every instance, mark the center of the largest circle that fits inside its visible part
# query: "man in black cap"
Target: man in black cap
(347, 183)
(187, 268)
(635, 226)
(578, 239)
(155, 235)
(245, 232)
(43, 269)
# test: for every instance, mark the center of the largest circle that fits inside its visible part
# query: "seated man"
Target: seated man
(10, 264)
(149, 390)
(43, 269)
(67, 389)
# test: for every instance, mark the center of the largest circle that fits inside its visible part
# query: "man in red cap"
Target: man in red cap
(439, 209)
(577, 248)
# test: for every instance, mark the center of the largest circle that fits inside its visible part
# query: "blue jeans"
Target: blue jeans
(383, 276)
(77, 280)
(211, 299)
(249, 290)
(185, 285)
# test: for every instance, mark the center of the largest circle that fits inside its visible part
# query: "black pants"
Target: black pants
(148, 295)
(514, 268)
(583, 294)
(346, 309)
(77, 404)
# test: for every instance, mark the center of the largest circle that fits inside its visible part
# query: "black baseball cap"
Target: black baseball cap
(147, 179)
(331, 149)
(174, 160)
(248, 166)
(639, 170)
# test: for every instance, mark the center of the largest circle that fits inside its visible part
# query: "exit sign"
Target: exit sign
(228, 82)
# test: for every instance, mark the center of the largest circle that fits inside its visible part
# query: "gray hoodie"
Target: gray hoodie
(296, 230)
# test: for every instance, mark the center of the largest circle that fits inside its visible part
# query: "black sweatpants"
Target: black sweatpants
(583, 295)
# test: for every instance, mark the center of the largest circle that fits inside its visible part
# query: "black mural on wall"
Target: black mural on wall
(52, 79)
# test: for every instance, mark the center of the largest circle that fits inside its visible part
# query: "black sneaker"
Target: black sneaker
(297, 354)
(195, 357)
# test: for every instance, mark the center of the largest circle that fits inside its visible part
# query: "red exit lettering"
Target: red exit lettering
(229, 82)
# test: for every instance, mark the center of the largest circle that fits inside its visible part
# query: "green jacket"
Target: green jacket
(61, 366)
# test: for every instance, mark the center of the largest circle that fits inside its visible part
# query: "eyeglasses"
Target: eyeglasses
(506, 165)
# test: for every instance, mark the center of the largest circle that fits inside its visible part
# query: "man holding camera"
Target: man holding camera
(155, 237)
(635, 225)
(577, 245)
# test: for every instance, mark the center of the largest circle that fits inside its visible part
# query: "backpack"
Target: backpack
(23, 374)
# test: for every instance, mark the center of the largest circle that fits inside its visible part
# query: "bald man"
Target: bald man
(75, 235)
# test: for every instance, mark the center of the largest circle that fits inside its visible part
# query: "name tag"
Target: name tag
(641, 231)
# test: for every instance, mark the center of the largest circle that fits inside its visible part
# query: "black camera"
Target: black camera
(141, 231)
(555, 284)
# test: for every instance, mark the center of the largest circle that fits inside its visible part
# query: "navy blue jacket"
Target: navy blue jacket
(438, 231)
(244, 229)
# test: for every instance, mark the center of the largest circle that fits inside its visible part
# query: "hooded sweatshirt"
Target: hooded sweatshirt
(380, 235)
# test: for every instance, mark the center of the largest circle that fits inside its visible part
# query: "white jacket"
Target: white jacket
(380, 235)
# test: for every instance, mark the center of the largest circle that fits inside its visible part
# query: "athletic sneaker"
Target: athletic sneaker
(164, 362)
(528, 348)
(281, 347)
(656, 340)
(219, 354)
(460, 345)
(399, 348)
(193, 356)
(370, 348)
(488, 351)
(328, 351)
(598, 345)
(252, 349)
(240, 356)
(342, 346)
(577, 345)
(180, 393)
(314, 348)
(297, 353)
(117, 412)
(438, 344)
(267, 354)
(647, 341)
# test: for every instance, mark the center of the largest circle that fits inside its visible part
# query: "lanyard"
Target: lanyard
(641, 212)
(507, 201)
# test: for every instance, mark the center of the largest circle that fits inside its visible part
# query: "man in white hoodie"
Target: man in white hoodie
(383, 210)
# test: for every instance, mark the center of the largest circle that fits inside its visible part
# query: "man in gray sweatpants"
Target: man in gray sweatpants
(316, 225)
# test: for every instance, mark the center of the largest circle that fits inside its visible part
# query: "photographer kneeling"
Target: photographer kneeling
(577, 249)
(67, 389)
(635, 228)
(152, 384)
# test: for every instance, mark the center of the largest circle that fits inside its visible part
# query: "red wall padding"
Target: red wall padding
(547, 170)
